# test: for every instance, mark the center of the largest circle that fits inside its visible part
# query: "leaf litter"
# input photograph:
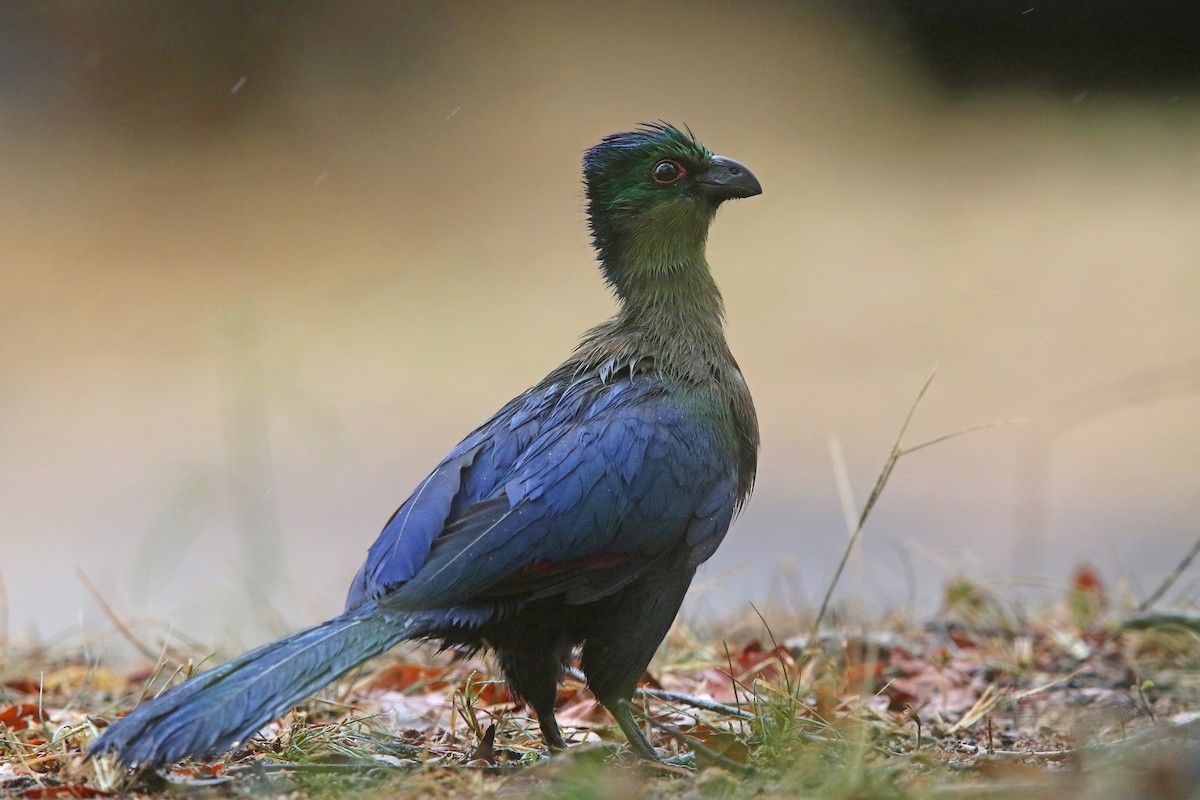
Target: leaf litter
(1077, 700)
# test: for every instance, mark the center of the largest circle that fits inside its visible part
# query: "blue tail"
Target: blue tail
(216, 710)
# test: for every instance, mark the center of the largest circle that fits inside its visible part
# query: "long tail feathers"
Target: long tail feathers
(214, 711)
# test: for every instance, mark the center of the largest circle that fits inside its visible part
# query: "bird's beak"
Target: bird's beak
(726, 179)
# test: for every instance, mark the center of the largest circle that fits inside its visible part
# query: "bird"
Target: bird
(571, 521)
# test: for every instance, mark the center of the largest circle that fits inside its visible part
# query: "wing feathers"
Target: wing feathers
(575, 494)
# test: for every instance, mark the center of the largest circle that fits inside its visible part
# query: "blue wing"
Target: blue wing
(570, 489)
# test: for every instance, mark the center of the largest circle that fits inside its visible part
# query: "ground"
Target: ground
(1085, 697)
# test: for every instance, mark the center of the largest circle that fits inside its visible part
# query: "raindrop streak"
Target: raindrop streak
(238, 85)
(320, 179)
(455, 111)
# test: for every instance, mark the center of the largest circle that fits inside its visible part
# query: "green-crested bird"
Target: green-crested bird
(576, 516)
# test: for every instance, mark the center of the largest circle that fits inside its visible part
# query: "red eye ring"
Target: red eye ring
(667, 172)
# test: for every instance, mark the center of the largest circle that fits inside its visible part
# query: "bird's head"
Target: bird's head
(653, 191)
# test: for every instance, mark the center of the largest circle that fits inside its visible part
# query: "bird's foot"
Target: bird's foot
(684, 760)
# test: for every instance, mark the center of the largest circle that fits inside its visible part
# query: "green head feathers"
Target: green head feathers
(651, 194)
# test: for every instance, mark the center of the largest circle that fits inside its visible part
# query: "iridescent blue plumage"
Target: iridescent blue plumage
(574, 517)
(601, 472)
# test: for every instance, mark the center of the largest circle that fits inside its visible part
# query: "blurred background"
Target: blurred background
(263, 264)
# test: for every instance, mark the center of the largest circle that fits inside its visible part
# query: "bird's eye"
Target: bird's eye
(667, 172)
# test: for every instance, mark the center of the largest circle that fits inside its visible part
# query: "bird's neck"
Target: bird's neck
(668, 295)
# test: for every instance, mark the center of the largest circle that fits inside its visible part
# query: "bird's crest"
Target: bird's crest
(646, 136)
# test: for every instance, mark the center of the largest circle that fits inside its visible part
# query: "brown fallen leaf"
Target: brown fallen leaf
(399, 677)
(21, 716)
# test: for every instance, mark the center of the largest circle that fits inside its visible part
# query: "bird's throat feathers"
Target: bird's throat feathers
(668, 293)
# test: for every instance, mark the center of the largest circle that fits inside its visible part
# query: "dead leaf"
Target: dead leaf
(756, 661)
(400, 677)
(723, 743)
(60, 790)
(21, 716)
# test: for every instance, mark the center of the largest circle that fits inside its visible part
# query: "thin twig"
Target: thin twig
(696, 745)
(1141, 693)
(121, 627)
(880, 482)
(898, 450)
(154, 676)
(991, 697)
(1180, 568)
(955, 434)
(733, 683)
(787, 677)
(677, 697)
(1060, 680)
(696, 702)
(1048, 755)
(845, 489)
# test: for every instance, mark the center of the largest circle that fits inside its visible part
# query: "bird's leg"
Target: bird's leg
(622, 640)
(549, 726)
(638, 743)
(541, 697)
(533, 675)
